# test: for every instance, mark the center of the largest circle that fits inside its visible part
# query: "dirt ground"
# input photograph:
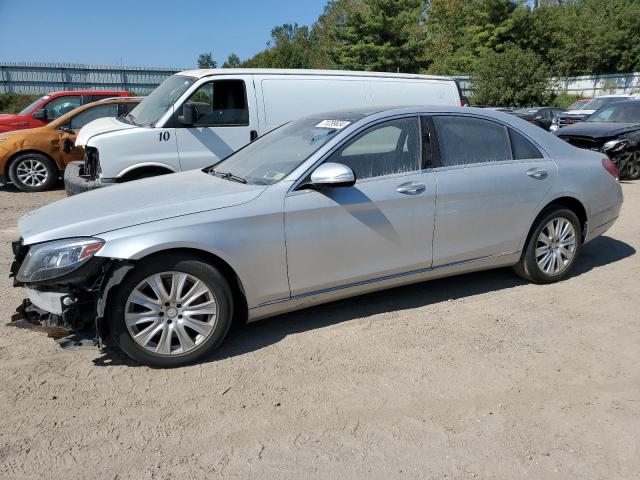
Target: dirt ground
(479, 376)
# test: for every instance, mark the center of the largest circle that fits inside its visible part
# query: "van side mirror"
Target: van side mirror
(189, 115)
(40, 114)
(333, 175)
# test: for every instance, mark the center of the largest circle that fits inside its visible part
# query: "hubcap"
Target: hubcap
(32, 173)
(556, 246)
(171, 313)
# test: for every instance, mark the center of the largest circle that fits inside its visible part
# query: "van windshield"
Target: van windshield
(151, 109)
(275, 155)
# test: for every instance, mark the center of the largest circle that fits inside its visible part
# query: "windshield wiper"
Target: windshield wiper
(128, 118)
(228, 176)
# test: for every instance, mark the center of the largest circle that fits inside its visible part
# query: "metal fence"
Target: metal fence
(587, 85)
(38, 78)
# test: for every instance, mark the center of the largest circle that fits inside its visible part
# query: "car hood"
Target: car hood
(17, 135)
(597, 129)
(8, 121)
(577, 112)
(7, 118)
(98, 127)
(133, 203)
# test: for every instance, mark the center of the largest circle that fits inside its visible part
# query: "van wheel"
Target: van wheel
(33, 172)
(170, 311)
(552, 248)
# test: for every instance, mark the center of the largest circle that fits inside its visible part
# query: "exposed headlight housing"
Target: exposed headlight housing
(46, 261)
(613, 146)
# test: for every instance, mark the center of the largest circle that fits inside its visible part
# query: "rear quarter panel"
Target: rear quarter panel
(582, 176)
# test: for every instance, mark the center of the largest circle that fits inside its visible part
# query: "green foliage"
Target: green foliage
(564, 99)
(291, 46)
(13, 102)
(205, 60)
(384, 36)
(454, 37)
(514, 77)
(233, 61)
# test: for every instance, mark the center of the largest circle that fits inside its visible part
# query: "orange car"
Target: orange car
(33, 159)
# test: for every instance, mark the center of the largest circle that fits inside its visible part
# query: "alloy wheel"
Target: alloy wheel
(556, 246)
(32, 172)
(171, 313)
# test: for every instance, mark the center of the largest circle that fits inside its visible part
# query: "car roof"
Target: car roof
(631, 101)
(206, 72)
(84, 92)
(616, 95)
(120, 99)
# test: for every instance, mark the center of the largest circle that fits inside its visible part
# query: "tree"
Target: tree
(514, 77)
(383, 35)
(233, 61)
(205, 60)
(291, 46)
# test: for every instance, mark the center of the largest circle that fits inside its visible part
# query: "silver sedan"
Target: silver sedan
(320, 209)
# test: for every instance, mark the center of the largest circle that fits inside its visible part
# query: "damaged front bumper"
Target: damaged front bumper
(75, 301)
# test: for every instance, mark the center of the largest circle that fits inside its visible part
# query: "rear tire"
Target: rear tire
(33, 172)
(552, 247)
(152, 316)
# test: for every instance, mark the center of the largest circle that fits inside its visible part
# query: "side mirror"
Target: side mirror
(333, 175)
(189, 115)
(40, 114)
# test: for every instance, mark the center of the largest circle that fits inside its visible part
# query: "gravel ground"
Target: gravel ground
(478, 376)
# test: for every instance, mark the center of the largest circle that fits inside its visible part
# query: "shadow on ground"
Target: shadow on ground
(8, 187)
(248, 338)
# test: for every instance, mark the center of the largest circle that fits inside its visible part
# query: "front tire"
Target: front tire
(33, 172)
(170, 311)
(552, 247)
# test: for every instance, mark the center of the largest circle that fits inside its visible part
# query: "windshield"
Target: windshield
(597, 103)
(147, 113)
(621, 112)
(527, 111)
(31, 106)
(578, 105)
(274, 156)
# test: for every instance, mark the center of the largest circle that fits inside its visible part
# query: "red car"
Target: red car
(52, 106)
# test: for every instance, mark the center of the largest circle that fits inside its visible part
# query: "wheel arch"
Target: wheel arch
(155, 168)
(13, 158)
(566, 201)
(240, 306)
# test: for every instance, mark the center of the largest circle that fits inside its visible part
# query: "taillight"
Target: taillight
(610, 167)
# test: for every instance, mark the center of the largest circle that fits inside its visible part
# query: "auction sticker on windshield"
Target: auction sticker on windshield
(333, 124)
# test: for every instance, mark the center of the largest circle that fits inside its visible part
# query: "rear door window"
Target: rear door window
(522, 148)
(468, 140)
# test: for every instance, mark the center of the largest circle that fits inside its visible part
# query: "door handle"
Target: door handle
(411, 188)
(253, 135)
(537, 173)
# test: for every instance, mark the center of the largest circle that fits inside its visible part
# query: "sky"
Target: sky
(146, 33)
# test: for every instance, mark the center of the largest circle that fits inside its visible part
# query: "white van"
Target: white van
(198, 117)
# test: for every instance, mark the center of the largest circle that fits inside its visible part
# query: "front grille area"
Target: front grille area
(91, 164)
(562, 120)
